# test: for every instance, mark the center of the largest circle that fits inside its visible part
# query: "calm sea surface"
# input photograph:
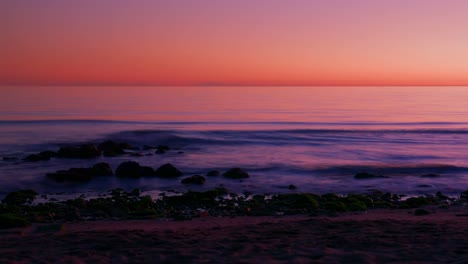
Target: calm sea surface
(316, 138)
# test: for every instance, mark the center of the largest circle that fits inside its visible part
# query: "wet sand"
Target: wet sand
(376, 236)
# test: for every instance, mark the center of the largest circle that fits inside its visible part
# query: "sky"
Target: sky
(241, 42)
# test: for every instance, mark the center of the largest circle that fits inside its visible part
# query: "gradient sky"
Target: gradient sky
(241, 42)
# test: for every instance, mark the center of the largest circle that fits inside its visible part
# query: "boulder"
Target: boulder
(86, 151)
(213, 173)
(110, 148)
(81, 174)
(236, 173)
(133, 169)
(168, 171)
(195, 179)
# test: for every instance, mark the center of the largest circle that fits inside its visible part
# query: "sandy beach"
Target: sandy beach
(376, 236)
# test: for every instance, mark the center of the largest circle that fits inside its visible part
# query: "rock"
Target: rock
(102, 169)
(292, 187)
(195, 179)
(365, 175)
(44, 155)
(236, 173)
(430, 175)
(213, 173)
(110, 148)
(20, 197)
(464, 195)
(86, 151)
(136, 154)
(161, 149)
(133, 169)
(168, 171)
(81, 174)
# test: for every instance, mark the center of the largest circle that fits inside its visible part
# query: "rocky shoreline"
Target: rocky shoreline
(18, 208)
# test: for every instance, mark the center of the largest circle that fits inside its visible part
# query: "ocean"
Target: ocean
(316, 138)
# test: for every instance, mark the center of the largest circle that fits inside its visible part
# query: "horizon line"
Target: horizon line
(234, 85)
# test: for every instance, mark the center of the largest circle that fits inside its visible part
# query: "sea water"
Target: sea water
(316, 138)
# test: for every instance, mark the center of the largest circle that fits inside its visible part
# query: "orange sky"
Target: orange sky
(256, 42)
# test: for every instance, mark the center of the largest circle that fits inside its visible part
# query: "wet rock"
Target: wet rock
(132, 169)
(102, 169)
(430, 175)
(81, 174)
(20, 197)
(86, 151)
(236, 173)
(464, 195)
(213, 173)
(365, 175)
(168, 171)
(44, 155)
(161, 149)
(195, 179)
(110, 148)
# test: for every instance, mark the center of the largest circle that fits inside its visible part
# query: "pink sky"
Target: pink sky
(254, 42)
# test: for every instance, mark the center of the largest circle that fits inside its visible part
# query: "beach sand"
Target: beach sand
(376, 236)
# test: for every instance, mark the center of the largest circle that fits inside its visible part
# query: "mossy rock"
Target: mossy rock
(335, 206)
(11, 221)
(20, 197)
(356, 206)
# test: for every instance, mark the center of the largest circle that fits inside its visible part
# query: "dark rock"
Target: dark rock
(195, 179)
(213, 173)
(464, 195)
(161, 149)
(236, 173)
(35, 157)
(292, 187)
(81, 174)
(136, 154)
(86, 151)
(149, 147)
(20, 197)
(44, 155)
(424, 186)
(365, 175)
(133, 170)
(72, 174)
(125, 145)
(430, 175)
(147, 171)
(168, 171)
(102, 169)
(110, 148)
